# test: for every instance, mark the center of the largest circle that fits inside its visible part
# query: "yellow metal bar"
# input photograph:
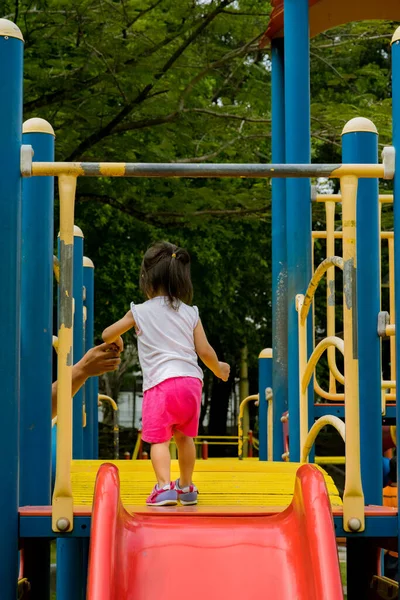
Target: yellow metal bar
(353, 505)
(137, 446)
(383, 198)
(392, 311)
(390, 330)
(333, 261)
(334, 373)
(103, 398)
(303, 391)
(388, 385)
(99, 169)
(242, 407)
(56, 268)
(316, 428)
(330, 460)
(326, 395)
(322, 235)
(316, 355)
(270, 414)
(62, 517)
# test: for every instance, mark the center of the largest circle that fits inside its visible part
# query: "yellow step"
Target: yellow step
(222, 482)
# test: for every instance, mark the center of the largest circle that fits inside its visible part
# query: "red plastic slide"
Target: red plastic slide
(288, 556)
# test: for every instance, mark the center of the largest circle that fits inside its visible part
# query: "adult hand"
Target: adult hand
(100, 359)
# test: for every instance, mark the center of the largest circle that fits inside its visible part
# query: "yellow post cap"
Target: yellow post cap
(87, 262)
(396, 36)
(266, 353)
(37, 125)
(78, 231)
(359, 124)
(10, 29)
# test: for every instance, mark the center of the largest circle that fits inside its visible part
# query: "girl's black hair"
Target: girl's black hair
(166, 271)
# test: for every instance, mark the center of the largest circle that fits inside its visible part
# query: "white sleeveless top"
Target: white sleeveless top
(166, 341)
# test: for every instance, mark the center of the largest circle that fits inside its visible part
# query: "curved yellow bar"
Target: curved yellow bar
(333, 261)
(330, 460)
(316, 355)
(242, 407)
(326, 395)
(103, 398)
(316, 428)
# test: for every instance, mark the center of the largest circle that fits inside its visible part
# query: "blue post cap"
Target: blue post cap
(10, 29)
(359, 124)
(37, 125)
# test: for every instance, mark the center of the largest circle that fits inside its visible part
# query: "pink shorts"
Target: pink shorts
(172, 405)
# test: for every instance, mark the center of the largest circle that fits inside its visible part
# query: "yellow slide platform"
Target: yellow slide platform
(221, 482)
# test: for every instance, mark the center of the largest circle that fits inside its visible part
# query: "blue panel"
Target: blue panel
(298, 195)
(11, 61)
(279, 265)
(362, 147)
(70, 583)
(264, 382)
(38, 527)
(378, 527)
(36, 327)
(78, 349)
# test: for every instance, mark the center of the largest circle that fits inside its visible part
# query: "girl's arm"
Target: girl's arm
(208, 355)
(113, 333)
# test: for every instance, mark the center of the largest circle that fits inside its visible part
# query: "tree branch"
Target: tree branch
(103, 132)
(221, 115)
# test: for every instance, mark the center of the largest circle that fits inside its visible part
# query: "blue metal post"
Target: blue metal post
(360, 145)
(264, 382)
(298, 195)
(36, 345)
(11, 75)
(78, 348)
(90, 431)
(279, 264)
(396, 207)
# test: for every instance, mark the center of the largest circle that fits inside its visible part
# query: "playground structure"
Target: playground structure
(226, 532)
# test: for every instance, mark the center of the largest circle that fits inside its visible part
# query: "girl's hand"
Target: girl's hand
(119, 343)
(224, 370)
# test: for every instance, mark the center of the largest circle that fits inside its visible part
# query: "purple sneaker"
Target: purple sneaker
(166, 496)
(187, 495)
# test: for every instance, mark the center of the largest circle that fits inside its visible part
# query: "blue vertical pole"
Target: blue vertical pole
(396, 208)
(360, 145)
(90, 399)
(78, 348)
(11, 75)
(264, 382)
(36, 346)
(298, 195)
(279, 264)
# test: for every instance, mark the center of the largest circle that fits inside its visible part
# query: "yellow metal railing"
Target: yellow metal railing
(242, 408)
(353, 509)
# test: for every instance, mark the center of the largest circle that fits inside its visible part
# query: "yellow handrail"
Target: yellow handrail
(103, 398)
(316, 428)
(334, 373)
(353, 499)
(383, 198)
(333, 261)
(63, 504)
(242, 407)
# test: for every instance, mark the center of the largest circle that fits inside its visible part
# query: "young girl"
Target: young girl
(170, 334)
